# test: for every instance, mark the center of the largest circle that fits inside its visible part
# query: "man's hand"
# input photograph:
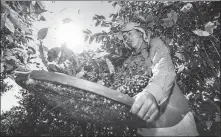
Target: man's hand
(145, 106)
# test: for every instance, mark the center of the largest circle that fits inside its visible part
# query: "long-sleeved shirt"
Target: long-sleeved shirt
(163, 71)
(160, 86)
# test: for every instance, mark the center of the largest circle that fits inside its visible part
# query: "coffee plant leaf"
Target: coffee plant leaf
(167, 3)
(35, 16)
(114, 4)
(31, 8)
(42, 18)
(87, 31)
(149, 18)
(98, 22)
(91, 39)
(17, 22)
(181, 68)
(86, 38)
(42, 33)
(66, 20)
(80, 74)
(217, 117)
(151, 24)
(39, 7)
(8, 66)
(216, 99)
(110, 66)
(186, 8)
(3, 20)
(178, 55)
(13, 58)
(119, 21)
(9, 26)
(100, 38)
(209, 124)
(173, 16)
(167, 23)
(119, 35)
(141, 18)
(199, 32)
(209, 27)
(100, 55)
(2, 67)
(10, 38)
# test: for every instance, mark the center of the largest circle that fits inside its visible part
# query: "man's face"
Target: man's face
(53, 54)
(133, 38)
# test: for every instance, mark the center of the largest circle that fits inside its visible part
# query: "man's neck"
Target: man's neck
(141, 47)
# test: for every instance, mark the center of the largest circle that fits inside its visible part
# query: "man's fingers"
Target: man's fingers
(154, 115)
(144, 109)
(138, 103)
(146, 117)
(152, 109)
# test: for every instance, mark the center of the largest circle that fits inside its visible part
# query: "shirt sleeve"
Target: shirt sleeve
(163, 71)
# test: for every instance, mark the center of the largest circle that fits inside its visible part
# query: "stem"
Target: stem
(42, 54)
(214, 104)
(209, 59)
(215, 49)
(185, 31)
(215, 38)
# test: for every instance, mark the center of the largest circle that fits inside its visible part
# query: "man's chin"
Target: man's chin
(133, 47)
(49, 60)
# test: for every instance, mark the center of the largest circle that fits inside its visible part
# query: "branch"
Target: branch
(209, 59)
(215, 46)
(42, 54)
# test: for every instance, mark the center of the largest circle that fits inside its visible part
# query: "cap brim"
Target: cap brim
(129, 26)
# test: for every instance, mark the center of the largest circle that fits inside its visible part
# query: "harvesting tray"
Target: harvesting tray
(90, 102)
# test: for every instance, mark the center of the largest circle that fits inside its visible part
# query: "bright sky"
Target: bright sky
(71, 33)
(8, 99)
(81, 14)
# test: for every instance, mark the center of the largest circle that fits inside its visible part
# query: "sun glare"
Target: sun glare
(71, 34)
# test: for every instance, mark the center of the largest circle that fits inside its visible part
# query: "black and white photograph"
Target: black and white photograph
(110, 68)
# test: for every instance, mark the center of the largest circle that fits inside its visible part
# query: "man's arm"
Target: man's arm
(146, 102)
(163, 71)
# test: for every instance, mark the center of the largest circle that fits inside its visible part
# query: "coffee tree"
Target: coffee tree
(191, 30)
(19, 49)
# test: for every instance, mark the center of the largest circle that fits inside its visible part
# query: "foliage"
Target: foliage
(16, 34)
(190, 29)
(192, 33)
